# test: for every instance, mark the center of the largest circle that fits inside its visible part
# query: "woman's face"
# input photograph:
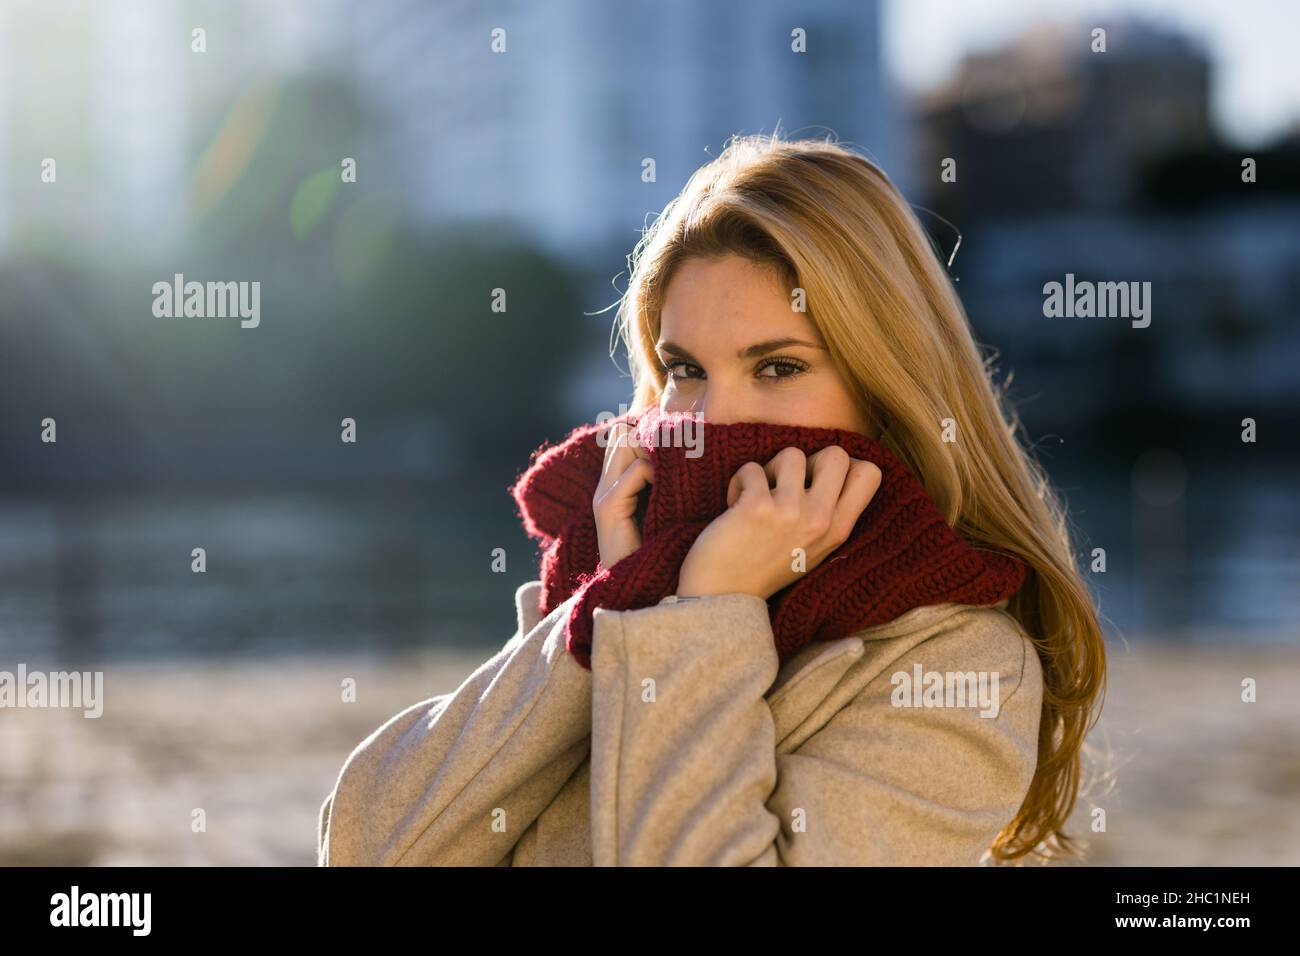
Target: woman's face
(735, 351)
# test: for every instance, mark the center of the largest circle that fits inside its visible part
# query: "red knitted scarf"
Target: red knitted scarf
(901, 554)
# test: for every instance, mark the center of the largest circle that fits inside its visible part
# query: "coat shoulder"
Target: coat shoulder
(960, 636)
(914, 743)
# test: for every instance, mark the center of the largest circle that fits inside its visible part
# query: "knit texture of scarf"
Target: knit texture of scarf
(902, 553)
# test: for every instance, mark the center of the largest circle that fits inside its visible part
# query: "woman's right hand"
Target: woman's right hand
(626, 471)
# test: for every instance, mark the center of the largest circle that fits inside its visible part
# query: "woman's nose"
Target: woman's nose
(717, 407)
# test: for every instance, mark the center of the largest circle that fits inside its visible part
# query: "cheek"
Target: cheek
(673, 401)
(822, 405)
(843, 411)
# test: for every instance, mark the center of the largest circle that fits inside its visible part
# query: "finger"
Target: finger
(860, 487)
(638, 441)
(788, 473)
(619, 452)
(748, 483)
(634, 478)
(830, 468)
(617, 500)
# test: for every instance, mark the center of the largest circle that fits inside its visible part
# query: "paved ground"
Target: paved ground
(1196, 776)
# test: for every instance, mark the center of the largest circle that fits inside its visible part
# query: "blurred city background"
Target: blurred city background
(522, 170)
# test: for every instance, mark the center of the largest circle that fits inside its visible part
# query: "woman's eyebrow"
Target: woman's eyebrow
(752, 351)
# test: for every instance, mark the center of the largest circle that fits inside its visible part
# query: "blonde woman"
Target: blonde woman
(835, 620)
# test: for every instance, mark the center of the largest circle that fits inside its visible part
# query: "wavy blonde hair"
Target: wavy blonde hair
(830, 222)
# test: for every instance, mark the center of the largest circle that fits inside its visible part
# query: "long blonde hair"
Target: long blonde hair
(831, 223)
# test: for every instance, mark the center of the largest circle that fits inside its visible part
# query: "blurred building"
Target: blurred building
(550, 135)
(115, 94)
(1105, 166)
(553, 133)
(1223, 333)
(1047, 125)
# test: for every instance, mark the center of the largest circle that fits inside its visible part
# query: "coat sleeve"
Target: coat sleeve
(455, 780)
(685, 769)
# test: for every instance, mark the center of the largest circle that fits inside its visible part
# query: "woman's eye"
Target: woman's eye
(786, 368)
(668, 368)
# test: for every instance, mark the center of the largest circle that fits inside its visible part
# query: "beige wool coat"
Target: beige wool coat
(687, 744)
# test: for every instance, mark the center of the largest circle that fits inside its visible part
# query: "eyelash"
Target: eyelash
(801, 367)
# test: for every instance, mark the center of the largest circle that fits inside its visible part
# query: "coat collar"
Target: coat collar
(806, 679)
(821, 653)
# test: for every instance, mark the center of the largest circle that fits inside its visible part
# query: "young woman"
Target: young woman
(679, 690)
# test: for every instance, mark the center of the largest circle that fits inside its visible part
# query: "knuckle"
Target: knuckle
(867, 470)
(819, 520)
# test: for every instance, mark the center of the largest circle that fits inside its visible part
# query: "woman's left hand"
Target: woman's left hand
(750, 547)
